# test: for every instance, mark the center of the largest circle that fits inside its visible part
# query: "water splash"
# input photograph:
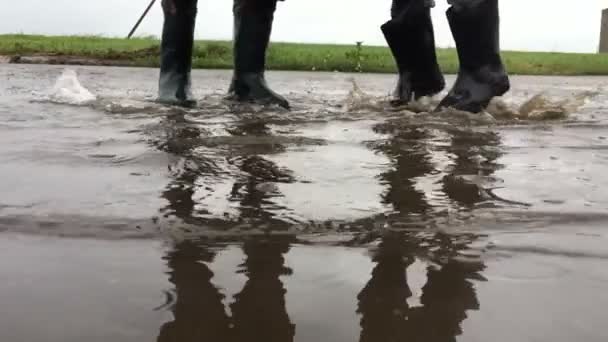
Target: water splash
(357, 100)
(539, 107)
(357, 105)
(68, 90)
(120, 106)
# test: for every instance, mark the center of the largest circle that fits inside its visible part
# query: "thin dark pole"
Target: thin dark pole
(141, 18)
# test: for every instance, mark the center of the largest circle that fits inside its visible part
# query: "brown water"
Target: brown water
(343, 220)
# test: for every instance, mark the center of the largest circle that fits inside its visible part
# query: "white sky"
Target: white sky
(540, 25)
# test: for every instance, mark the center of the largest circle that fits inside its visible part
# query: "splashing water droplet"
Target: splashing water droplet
(358, 100)
(68, 90)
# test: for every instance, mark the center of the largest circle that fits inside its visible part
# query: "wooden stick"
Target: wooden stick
(140, 19)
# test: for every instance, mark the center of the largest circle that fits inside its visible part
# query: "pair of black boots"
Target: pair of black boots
(252, 28)
(475, 28)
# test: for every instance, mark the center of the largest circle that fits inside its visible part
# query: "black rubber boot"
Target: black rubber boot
(411, 38)
(252, 28)
(176, 52)
(482, 76)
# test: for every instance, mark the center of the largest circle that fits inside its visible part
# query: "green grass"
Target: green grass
(290, 56)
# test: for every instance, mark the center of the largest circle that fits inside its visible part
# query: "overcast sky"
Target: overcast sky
(541, 25)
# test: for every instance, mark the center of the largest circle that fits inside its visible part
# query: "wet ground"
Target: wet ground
(342, 220)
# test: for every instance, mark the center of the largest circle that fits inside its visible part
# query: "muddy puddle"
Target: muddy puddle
(342, 220)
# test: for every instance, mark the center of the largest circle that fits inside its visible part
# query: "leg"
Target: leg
(475, 27)
(176, 52)
(411, 38)
(252, 28)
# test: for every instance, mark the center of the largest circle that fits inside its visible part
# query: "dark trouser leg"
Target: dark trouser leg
(252, 27)
(411, 38)
(176, 52)
(475, 27)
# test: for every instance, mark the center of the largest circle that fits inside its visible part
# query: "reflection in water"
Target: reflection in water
(475, 156)
(179, 195)
(471, 159)
(258, 311)
(253, 187)
(388, 299)
(411, 159)
(383, 302)
(181, 141)
(198, 311)
(253, 175)
(232, 182)
(446, 297)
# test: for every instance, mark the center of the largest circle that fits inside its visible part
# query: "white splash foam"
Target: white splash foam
(68, 90)
(358, 100)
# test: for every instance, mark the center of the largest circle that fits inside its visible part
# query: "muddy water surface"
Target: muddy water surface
(342, 220)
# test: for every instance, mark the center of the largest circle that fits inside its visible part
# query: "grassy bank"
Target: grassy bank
(291, 56)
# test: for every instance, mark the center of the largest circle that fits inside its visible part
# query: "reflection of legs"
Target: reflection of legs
(259, 311)
(199, 313)
(410, 157)
(446, 297)
(252, 200)
(179, 195)
(252, 28)
(467, 147)
(475, 27)
(383, 302)
(410, 36)
(176, 51)
(180, 141)
(255, 202)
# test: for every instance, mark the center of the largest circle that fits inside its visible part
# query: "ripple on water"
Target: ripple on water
(381, 215)
(348, 159)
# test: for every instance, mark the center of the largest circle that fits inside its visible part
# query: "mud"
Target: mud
(67, 60)
(342, 220)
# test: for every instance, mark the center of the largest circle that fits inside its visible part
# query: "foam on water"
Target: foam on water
(68, 90)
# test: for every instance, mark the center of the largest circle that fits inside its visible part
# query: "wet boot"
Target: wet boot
(482, 76)
(176, 52)
(252, 28)
(411, 38)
